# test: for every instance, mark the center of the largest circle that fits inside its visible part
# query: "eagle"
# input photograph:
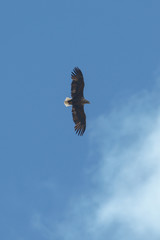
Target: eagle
(77, 101)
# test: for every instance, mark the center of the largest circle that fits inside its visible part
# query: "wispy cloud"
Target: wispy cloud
(125, 199)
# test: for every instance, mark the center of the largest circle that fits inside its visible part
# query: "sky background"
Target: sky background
(55, 185)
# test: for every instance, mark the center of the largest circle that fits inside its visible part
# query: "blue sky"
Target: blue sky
(54, 184)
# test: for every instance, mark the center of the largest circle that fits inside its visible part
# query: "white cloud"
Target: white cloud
(125, 199)
(130, 170)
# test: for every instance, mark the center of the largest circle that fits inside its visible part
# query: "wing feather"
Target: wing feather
(77, 85)
(79, 119)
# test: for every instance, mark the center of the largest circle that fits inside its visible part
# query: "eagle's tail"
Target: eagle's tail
(67, 102)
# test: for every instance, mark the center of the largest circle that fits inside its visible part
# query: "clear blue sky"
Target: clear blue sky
(54, 184)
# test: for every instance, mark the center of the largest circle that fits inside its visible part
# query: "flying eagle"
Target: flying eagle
(77, 101)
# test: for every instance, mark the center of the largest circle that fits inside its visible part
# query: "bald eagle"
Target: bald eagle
(77, 101)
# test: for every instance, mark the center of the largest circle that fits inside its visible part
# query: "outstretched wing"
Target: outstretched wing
(77, 85)
(79, 119)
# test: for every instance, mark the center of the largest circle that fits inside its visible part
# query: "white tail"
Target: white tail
(66, 103)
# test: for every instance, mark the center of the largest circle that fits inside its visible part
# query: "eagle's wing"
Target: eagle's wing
(77, 85)
(79, 119)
